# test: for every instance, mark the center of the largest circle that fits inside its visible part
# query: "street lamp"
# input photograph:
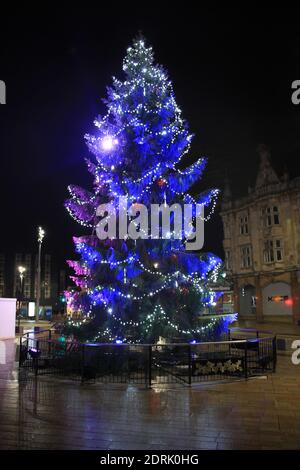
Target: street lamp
(41, 234)
(21, 271)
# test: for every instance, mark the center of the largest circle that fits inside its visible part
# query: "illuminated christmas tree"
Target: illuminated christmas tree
(138, 290)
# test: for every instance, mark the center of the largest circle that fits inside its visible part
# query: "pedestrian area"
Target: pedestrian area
(50, 413)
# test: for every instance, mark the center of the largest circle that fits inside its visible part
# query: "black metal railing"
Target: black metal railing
(150, 364)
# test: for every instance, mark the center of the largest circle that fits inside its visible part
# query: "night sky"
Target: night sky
(232, 72)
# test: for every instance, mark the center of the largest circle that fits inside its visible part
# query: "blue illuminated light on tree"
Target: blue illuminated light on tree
(138, 290)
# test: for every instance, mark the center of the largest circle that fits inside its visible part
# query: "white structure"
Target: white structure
(7, 318)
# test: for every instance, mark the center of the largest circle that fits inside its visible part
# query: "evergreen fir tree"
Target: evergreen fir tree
(138, 290)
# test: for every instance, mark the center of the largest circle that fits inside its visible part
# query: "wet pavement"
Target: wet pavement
(47, 413)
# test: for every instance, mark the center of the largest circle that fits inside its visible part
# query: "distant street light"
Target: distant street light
(21, 271)
(41, 234)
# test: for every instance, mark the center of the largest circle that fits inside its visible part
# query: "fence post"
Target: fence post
(246, 359)
(149, 366)
(274, 344)
(36, 359)
(190, 363)
(20, 351)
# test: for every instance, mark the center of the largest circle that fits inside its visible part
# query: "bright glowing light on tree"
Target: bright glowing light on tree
(108, 142)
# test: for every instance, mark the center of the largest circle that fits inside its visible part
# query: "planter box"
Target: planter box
(7, 318)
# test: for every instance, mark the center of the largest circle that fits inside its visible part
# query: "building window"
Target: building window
(273, 251)
(227, 260)
(226, 230)
(275, 215)
(278, 250)
(244, 230)
(268, 252)
(271, 216)
(246, 257)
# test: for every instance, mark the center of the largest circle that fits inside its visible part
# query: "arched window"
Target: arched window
(247, 300)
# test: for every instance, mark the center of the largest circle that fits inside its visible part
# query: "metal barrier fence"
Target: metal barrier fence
(149, 364)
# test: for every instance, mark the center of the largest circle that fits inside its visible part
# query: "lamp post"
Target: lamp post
(21, 271)
(41, 234)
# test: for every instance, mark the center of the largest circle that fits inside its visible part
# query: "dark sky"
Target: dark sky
(232, 72)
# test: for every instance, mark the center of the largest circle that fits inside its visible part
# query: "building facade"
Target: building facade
(26, 290)
(262, 246)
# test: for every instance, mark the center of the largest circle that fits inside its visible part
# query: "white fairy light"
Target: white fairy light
(108, 142)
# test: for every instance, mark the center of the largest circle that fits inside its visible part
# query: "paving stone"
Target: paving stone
(44, 413)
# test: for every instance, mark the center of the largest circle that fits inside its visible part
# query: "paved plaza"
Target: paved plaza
(46, 413)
